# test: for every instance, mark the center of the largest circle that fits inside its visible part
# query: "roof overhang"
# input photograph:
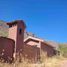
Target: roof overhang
(30, 38)
(33, 38)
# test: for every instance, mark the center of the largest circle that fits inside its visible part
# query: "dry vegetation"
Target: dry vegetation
(44, 62)
(50, 62)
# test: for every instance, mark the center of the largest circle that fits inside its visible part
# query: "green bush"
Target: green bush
(63, 49)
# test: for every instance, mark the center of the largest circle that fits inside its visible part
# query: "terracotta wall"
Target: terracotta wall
(49, 50)
(13, 32)
(20, 37)
(6, 48)
(32, 43)
(31, 52)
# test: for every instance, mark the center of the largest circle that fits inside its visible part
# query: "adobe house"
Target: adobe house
(16, 32)
(42, 45)
(15, 44)
(12, 45)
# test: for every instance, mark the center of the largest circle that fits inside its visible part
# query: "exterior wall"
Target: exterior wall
(32, 43)
(46, 48)
(13, 32)
(6, 48)
(16, 36)
(20, 37)
(31, 52)
(35, 52)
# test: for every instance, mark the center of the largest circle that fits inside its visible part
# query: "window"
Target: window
(20, 31)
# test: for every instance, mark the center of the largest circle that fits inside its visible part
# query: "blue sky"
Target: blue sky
(45, 18)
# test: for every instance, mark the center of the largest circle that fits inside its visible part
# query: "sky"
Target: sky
(47, 19)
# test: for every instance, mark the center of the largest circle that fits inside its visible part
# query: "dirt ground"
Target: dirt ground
(63, 63)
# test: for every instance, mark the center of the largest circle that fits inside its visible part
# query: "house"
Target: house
(15, 44)
(41, 45)
(12, 45)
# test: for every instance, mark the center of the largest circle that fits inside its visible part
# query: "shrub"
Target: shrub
(63, 50)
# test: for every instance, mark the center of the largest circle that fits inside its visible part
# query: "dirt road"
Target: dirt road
(63, 63)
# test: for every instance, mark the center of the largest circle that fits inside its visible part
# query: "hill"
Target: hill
(3, 29)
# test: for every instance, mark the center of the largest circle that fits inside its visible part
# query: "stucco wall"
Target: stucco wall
(6, 48)
(49, 50)
(35, 52)
(20, 36)
(31, 52)
(13, 32)
(32, 43)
